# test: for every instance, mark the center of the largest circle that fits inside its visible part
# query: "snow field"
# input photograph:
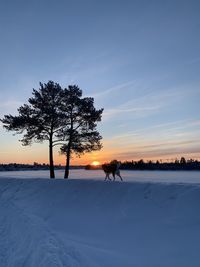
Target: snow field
(94, 223)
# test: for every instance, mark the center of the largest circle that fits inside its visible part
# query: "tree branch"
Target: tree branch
(58, 144)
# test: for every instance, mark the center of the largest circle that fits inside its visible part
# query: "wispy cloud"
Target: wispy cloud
(87, 65)
(158, 141)
(143, 105)
(146, 101)
(162, 152)
(163, 134)
(104, 93)
(10, 104)
(109, 113)
(168, 144)
(173, 127)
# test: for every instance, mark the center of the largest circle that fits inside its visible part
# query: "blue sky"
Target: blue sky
(139, 59)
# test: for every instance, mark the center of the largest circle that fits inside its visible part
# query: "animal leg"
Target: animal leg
(107, 177)
(120, 176)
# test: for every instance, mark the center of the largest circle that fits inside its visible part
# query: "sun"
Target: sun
(95, 163)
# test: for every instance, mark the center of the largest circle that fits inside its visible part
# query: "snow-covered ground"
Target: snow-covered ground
(129, 176)
(80, 222)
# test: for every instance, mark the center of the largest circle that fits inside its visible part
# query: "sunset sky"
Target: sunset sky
(140, 60)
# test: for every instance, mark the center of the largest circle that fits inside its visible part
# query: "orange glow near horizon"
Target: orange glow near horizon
(29, 155)
(39, 153)
(95, 163)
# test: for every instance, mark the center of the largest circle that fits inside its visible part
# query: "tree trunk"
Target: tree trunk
(51, 165)
(67, 163)
(68, 154)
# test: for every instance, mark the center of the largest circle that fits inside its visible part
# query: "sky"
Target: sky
(140, 60)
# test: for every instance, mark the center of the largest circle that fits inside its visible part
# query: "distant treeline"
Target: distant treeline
(18, 167)
(29, 167)
(181, 164)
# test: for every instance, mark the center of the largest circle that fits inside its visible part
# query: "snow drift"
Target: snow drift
(95, 223)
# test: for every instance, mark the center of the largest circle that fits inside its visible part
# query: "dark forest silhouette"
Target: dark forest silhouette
(61, 117)
(181, 164)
